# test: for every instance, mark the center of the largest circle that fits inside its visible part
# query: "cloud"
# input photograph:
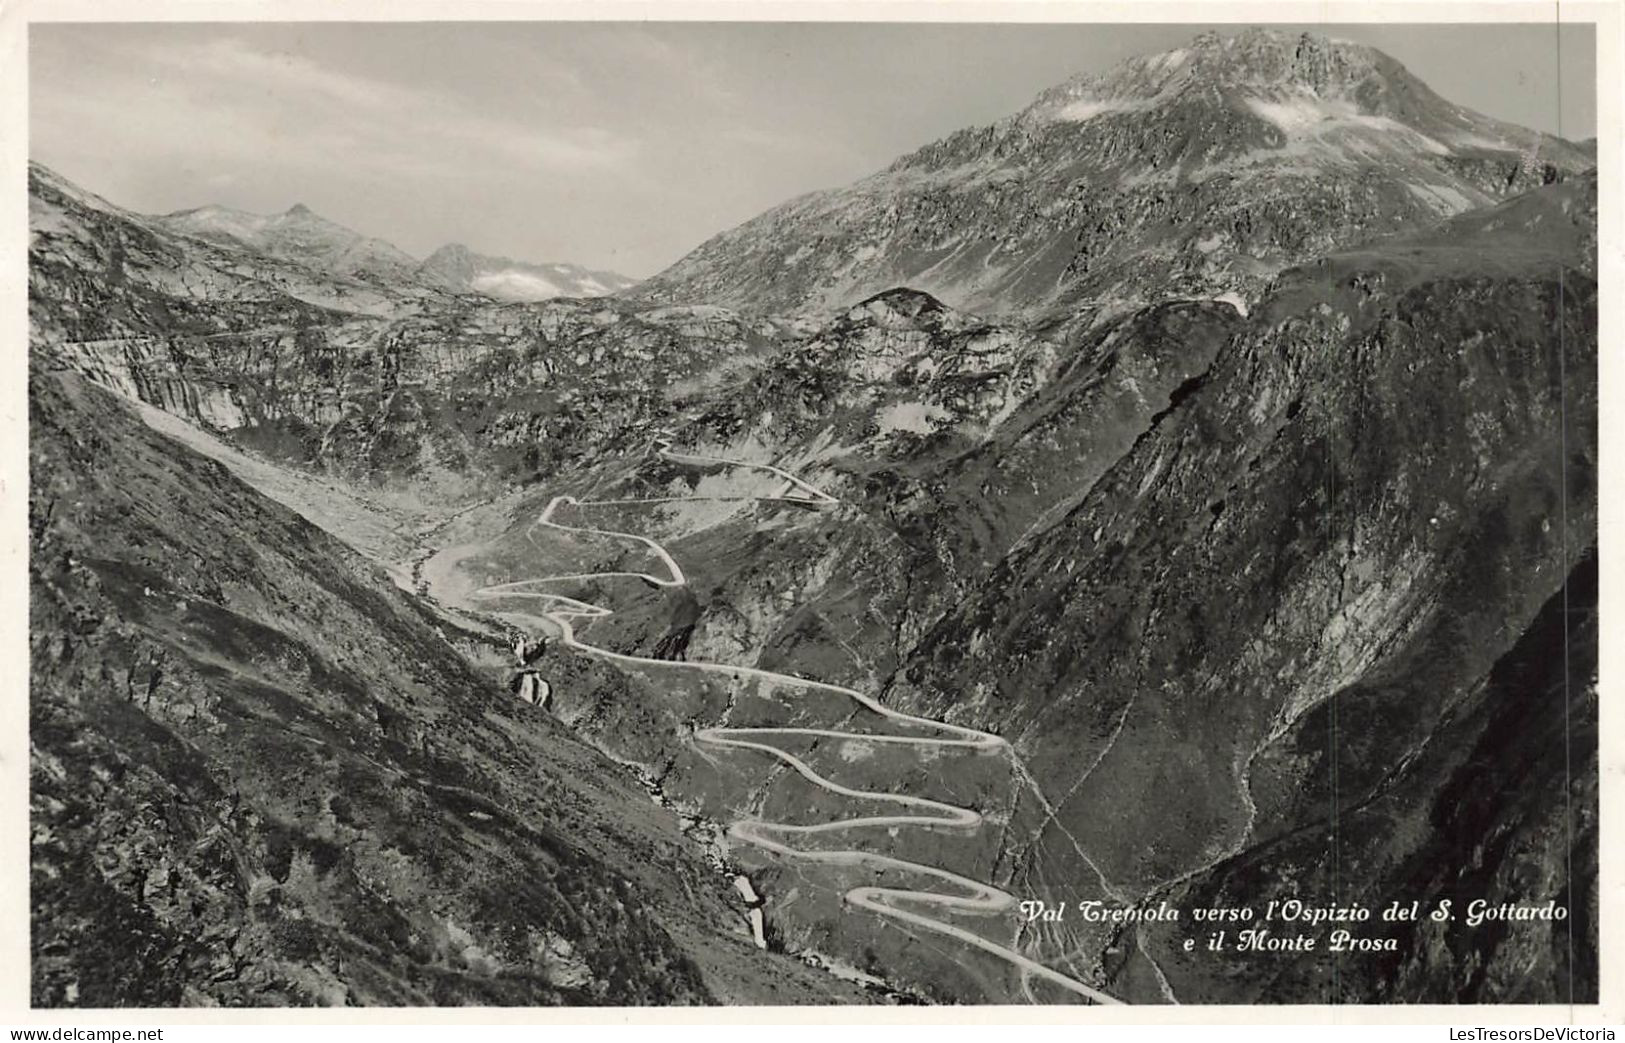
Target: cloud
(695, 75)
(227, 98)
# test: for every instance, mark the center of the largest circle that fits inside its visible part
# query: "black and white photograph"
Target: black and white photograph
(812, 512)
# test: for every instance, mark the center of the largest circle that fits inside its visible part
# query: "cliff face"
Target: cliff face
(1199, 172)
(1493, 802)
(263, 776)
(1312, 568)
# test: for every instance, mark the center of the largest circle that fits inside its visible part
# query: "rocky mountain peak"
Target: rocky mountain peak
(301, 220)
(1271, 56)
(450, 252)
(453, 261)
(1239, 153)
(1256, 65)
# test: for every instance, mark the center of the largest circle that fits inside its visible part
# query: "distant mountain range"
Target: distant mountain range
(300, 235)
(461, 270)
(296, 234)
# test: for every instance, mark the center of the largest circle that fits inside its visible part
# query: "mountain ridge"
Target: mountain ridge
(1223, 162)
(300, 235)
(297, 234)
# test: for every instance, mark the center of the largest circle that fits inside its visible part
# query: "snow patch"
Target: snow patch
(1299, 113)
(1477, 140)
(1235, 300)
(1309, 114)
(1088, 108)
(516, 286)
(1415, 137)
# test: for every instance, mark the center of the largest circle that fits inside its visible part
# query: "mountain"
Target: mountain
(1273, 643)
(1258, 599)
(297, 234)
(306, 256)
(1264, 536)
(1199, 172)
(456, 268)
(301, 236)
(121, 271)
(382, 381)
(262, 776)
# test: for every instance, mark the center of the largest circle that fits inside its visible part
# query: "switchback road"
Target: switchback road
(904, 905)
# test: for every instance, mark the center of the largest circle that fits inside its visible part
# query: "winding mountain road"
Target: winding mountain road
(889, 902)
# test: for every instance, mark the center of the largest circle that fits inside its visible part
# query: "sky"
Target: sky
(618, 145)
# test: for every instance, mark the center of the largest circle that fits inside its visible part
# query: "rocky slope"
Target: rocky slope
(457, 268)
(1242, 589)
(1199, 172)
(213, 255)
(97, 270)
(378, 381)
(1242, 648)
(262, 776)
(1257, 507)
